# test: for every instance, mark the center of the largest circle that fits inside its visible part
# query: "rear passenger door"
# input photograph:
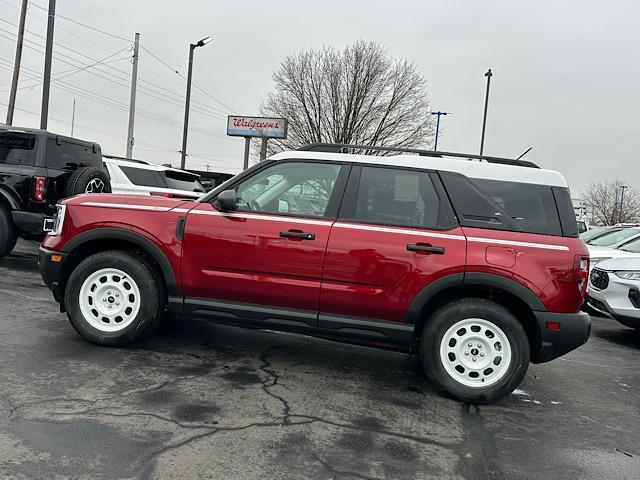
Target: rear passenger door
(396, 233)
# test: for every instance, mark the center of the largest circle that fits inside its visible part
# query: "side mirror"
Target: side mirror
(283, 206)
(227, 201)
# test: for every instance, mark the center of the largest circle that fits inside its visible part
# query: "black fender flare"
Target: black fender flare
(13, 203)
(133, 237)
(471, 278)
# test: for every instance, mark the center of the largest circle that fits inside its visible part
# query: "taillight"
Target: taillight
(582, 275)
(38, 189)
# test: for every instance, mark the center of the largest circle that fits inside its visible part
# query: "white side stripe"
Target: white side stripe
(126, 206)
(398, 230)
(518, 244)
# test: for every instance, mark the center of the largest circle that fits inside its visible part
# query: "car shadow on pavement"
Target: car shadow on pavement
(620, 335)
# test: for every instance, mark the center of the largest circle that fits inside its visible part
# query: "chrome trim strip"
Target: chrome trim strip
(257, 216)
(398, 230)
(518, 244)
(127, 206)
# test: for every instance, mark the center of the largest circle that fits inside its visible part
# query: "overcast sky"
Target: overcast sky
(566, 73)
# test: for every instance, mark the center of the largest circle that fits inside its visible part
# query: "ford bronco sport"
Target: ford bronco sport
(38, 168)
(474, 262)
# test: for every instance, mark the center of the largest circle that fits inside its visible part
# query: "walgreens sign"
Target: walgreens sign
(257, 127)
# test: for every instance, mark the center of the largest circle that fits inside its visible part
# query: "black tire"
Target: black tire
(8, 232)
(81, 181)
(152, 299)
(474, 308)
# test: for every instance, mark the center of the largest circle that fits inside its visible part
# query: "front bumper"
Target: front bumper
(50, 264)
(615, 300)
(574, 331)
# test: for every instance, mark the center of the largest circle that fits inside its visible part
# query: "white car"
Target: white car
(135, 177)
(616, 244)
(614, 290)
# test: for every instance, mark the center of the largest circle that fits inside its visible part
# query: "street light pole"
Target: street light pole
(192, 47)
(438, 114)
(48, 54)
(16, 65)
(486, 104)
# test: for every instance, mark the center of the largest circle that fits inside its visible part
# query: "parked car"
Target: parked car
(614, 290)
(614, 238)
(136, 177)
(583, 226)
(616, 245)
(476, 265)
(38, 168)
(597, 232)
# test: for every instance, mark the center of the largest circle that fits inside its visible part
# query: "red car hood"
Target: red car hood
(141, 201)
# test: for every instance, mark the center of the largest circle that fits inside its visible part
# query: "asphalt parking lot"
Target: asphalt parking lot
(199, 400)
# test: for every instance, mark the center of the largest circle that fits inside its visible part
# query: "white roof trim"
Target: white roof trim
(470, 168)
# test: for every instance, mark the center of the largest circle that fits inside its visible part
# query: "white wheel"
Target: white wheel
(109, 300)
(475, 352)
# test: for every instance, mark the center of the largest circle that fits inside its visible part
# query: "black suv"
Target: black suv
(37, 169)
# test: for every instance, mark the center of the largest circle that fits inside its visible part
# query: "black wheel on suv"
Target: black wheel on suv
(88, 180)
(114, 298)
(8, 234)
(475, 349)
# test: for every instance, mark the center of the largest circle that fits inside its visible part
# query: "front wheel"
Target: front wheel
(475, 349)
(114, 299)
(8, 233)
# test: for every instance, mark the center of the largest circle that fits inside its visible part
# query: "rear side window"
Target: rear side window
(17, 148)
(404, 198)
(143, 177)
(182, 181)
(501, 205)
(64, 155)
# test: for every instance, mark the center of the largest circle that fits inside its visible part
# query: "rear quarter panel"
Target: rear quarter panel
(542, 263)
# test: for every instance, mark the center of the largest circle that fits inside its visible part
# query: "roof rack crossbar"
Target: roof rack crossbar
(344, 148)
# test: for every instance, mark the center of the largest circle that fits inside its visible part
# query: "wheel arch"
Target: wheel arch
(515, 297)
(7, 198)
(101, 239)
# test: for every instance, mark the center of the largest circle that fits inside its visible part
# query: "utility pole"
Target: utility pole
(16, 65)
(132, 98)
(623, 187)
(438, 114)
(73, 116)
(486, 104)
(192, 47)
(46, 85)
(263, 148)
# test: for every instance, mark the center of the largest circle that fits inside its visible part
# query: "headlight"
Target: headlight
(628, 275)
(598, 259)
(55, 229)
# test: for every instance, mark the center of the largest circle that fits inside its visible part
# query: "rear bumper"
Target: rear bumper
(573, 332)
(28, 222)
(51, 271)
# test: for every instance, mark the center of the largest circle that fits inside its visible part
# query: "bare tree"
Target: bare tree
(358, 95)
(604, 199)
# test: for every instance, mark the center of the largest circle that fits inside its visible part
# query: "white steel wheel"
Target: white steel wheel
(475, 352)
(95, 185)
(109, 300)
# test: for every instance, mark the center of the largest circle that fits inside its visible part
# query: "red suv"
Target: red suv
(473, 261)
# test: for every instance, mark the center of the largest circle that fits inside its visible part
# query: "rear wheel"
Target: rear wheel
(8, 232)
(475, 349)
(113, 298)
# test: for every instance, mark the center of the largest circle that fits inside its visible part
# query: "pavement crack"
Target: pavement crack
(12, 406)
(272, 381)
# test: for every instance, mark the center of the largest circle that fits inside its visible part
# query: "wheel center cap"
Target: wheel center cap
(474, 351)
(111, 299)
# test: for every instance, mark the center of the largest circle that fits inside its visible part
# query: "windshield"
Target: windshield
(633, 246)
(615, 237)
(182, 181)
(17, 148)
(595, 233)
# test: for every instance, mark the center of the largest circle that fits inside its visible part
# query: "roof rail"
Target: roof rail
(113, 157)
(344, 148)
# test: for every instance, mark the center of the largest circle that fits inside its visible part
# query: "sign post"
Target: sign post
(260, 127)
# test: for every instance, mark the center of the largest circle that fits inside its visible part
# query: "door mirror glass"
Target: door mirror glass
(227, 201)
(283, 206)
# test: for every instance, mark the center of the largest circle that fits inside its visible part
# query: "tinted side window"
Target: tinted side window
(69, 155)
(501, 205)
(17, 148)
(400, 197)
(290, 188)
(144, 177)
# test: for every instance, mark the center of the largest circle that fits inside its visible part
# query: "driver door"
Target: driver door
(263, 262)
